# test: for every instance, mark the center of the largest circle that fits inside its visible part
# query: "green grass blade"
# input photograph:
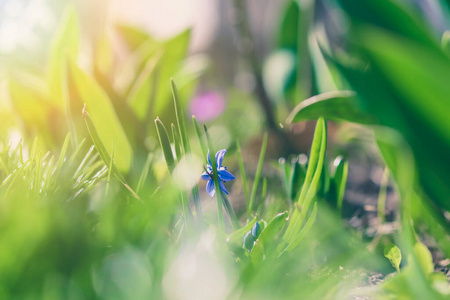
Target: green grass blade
(257, 175)
(180, 118)
(313, 188)
(104, 153)
(84, 161)
(230, 211)
(165, 144)
(144, 172)
(186, 147)
(200, 139)
(177, 143)
(242, 170)
(340, 180)
(63, 152)
(108, 179)
(304, 230)
(78, 149)
(103, 116)
(311, 180)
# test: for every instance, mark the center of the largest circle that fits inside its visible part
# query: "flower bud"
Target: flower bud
(249, 240)
(256, 230)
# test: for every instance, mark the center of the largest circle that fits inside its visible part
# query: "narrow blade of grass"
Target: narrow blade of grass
(340, 179)
(108, 180)
(63, 152)
(242, 170)
(304, 231)
(186, 147)
(144, 172)
(180, 118)
(104, 154)
(165, 144)
(177, 143)
(200, 139)
(262, 154)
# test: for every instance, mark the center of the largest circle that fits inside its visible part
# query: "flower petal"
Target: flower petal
(210, 188)
(222, 187)
(224, 175)
(209, 158)
(219, 157)
(205, 176)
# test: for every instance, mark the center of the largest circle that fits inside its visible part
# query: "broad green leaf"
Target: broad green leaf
(257, 254)
(410, 95)
(272, 229)
(288, 31)
(141, 93)
(445, 42)
(133, 36)
(103, 117)
(416, 79)
(64, 47)
(104, 55)
(294, 33)
(35, 110)
(395, 16)
(424, 258)
(237, 236)
(175, 51)
(336, 105)
(394, 255)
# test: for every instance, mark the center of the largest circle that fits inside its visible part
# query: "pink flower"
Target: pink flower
(207, 106)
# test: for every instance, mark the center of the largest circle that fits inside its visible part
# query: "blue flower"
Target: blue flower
(224, 175)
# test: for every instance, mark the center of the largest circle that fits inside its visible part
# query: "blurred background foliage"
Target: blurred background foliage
(89, 211)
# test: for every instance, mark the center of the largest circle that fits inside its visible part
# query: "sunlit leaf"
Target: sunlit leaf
(336, 105)
(394, 255)
(424, 258)
(104, 117)
(64, 46)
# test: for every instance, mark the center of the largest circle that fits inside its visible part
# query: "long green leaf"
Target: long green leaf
(64, 46)
(305, 230)
(104, 117)
(336, 105)
(311, 182)
(104, 153)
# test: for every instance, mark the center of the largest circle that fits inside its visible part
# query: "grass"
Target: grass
(102, 204)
